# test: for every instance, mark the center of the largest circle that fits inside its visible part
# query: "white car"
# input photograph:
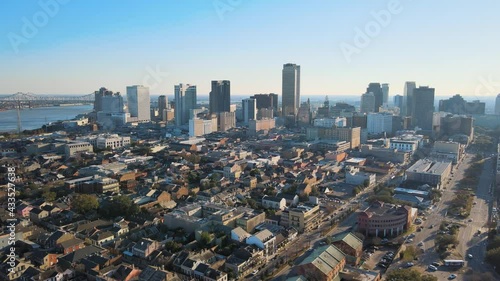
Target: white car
(470, 256)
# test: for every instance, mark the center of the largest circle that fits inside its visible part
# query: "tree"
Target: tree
(356, 191)
(49, 196)
(409, 275)
(493, 256)
(84, 203)
(119, 206)
(252, 203)
(366, 183)
(205, 239)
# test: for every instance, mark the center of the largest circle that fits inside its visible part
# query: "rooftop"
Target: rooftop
(429, 167)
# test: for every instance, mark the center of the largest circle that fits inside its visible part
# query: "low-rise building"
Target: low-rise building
(303, 217)
(385, 220)
(356, 177)
(264, 240)
(351, 245)
(429, 171)
(272, 202)
(71, 149)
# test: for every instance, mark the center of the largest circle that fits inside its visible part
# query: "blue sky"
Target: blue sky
(449, 45)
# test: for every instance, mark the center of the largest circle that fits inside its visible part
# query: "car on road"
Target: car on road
(452, 276)
(433, 268)
(408, 264)
(470, 220)
(436, 264)
(470, 256)
(409, 240)
(421, 244)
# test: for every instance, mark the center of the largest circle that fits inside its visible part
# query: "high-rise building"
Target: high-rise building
(407, 109)
(368, 102)
(398, 102)
(98, 98)
(249, 107)
(220, 96)
(162, 105)
(266, 101)
(457, 105)
(225, 121)
(497, 105)
(378, 123)
(423, 107)
(385, 93)
(290, 89)
(185, 101)
(376, 89)
(342, 109)
(139, 103)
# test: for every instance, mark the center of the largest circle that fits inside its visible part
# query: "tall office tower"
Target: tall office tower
(98, 98)
(423, 107)
(290, 89)
(367, 103)
(497, 105)
(139, 103)
(376, 89)
(385, 93)
(457, 105)
(185, 101)
(112, 103)
(249, 109)
(266, 101)
(162, 105)
(407, 109)
(220, 96)
(398, 102)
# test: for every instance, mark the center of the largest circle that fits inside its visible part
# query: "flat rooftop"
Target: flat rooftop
(427, 166)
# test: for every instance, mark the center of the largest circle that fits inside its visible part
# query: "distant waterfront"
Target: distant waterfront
(37, 117)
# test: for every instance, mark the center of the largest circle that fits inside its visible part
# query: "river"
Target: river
(37, 117)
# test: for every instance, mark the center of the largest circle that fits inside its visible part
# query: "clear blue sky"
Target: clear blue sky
(87, 44)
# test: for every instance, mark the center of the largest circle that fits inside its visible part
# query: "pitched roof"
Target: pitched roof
(349, 238)
(325, 258)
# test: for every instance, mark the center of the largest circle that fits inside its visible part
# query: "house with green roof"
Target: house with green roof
(322, 264)
(351, 245)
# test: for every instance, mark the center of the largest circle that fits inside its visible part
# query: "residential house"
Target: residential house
(145, 247)
(264, 240)
(272, 202)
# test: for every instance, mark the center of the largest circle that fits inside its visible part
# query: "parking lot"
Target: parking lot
(378, 259)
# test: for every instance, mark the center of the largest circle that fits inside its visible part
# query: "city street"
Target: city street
(468, 243)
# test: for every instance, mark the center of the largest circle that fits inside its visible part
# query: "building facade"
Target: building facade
(290, 89)
(220, 96)
(185, 101)
(138, 102)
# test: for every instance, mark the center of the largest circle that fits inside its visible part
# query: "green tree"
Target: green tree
(119, 206)
(49, 196)
(84, 203)
(205, 239)
(493, 257)
(495, 243)
(409, 275)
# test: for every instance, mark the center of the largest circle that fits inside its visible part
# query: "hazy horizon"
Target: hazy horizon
(341, 46)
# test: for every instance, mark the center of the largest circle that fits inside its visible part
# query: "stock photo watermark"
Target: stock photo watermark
(31, 26)
(154, 77)
(223, 7)
(12, 221)
(364, 36)
(488, 86)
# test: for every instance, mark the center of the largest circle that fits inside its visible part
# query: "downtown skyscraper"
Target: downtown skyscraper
(376, 89)
(220, 96)
(407, 109)
(290, 89)
(423, 107)
(139, 103)
(185, 101)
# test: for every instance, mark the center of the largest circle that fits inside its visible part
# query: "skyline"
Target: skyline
(83, 46)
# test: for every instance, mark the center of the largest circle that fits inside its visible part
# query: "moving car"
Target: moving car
(452, 276)
(470, 256)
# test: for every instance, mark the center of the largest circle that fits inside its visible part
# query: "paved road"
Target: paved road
(313, 238)
(469, 243)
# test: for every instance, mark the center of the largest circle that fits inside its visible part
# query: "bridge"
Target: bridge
(30, 100)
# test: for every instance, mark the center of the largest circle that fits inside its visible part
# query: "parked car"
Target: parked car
(452, 276)
(431, 267)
